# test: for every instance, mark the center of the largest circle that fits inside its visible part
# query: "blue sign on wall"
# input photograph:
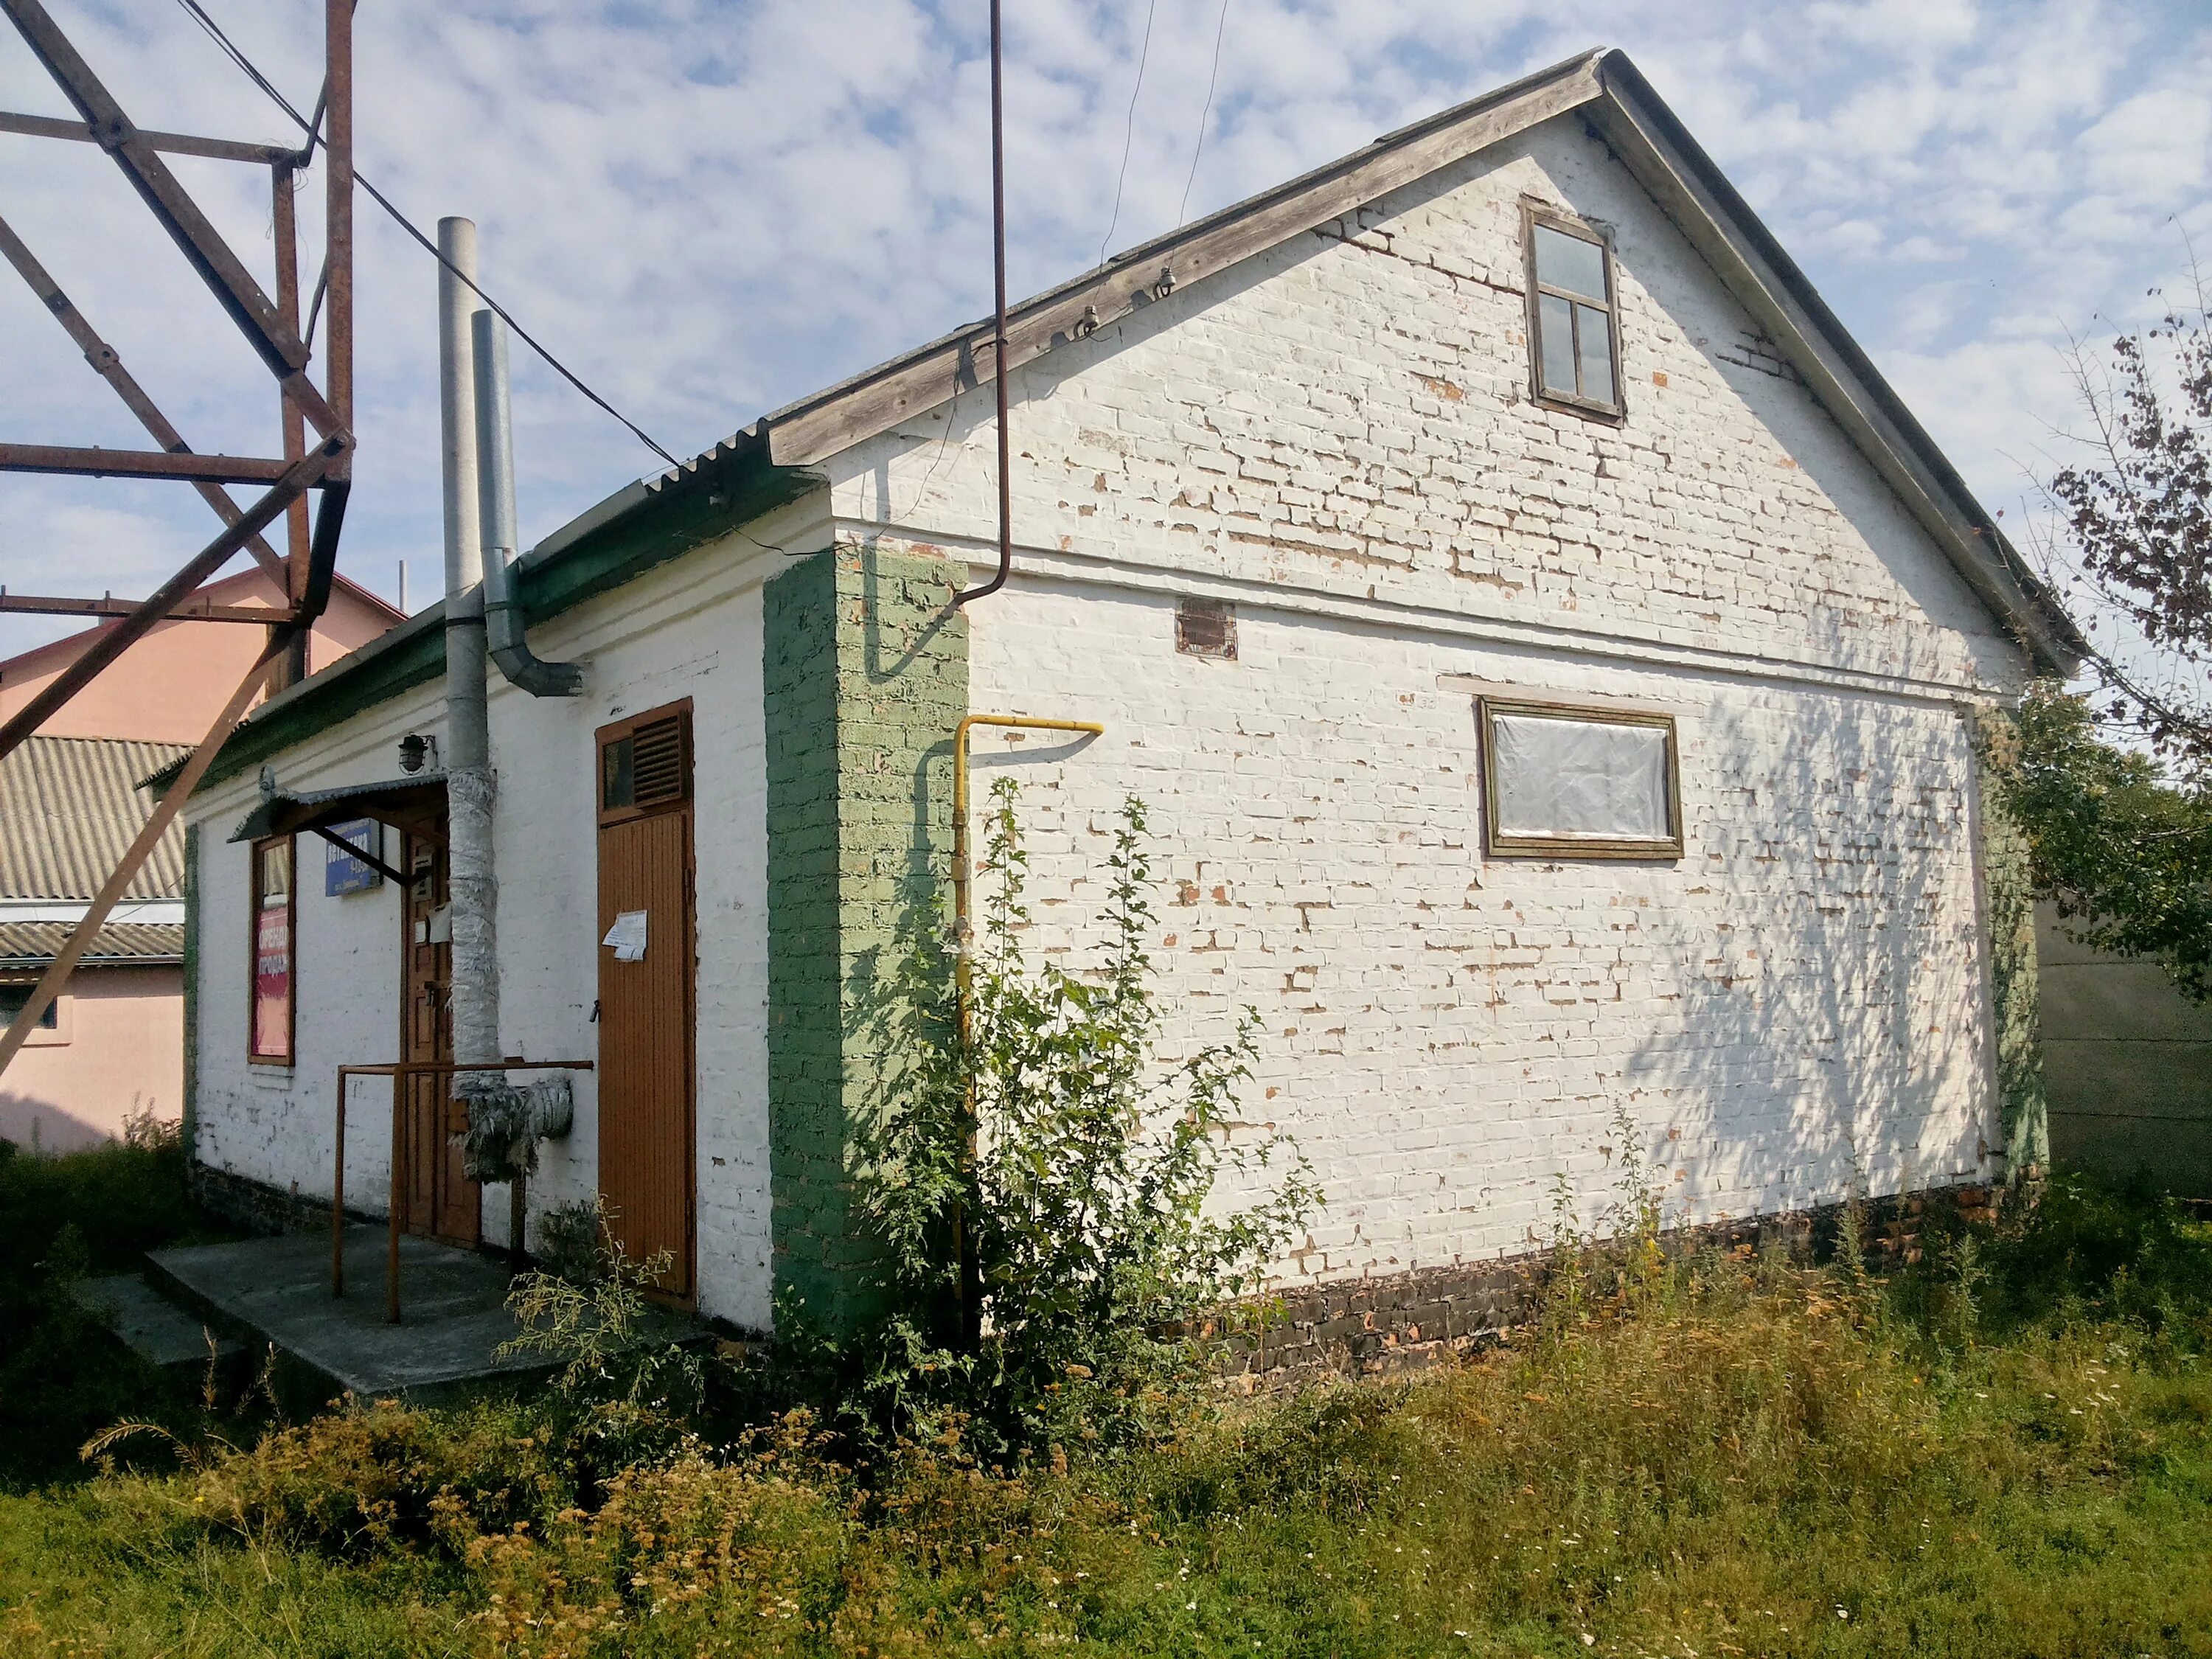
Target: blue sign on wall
(342, 871)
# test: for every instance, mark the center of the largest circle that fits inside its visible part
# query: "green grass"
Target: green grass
(2005, 1449)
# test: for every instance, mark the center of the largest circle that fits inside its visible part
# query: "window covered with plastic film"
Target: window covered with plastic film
(1566, 781)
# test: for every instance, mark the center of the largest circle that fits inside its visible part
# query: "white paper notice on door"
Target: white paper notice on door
(628, 936)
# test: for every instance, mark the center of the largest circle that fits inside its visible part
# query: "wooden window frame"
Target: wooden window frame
(1534, 214)
(614, 732)
(254, 1056)
(1505, 844)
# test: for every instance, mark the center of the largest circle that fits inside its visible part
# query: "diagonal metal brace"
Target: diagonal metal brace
(109, 367)
(279, 347)
(112, 642)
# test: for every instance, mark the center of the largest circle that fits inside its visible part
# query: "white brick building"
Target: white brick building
(1703, 566)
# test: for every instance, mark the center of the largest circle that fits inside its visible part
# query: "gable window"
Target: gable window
(1574, 347)
(1560, 781)
(270, 1026)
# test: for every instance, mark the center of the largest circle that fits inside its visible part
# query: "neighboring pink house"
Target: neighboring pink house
(70, 805)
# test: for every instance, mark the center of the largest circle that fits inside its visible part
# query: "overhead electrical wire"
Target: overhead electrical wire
(1129, 128)
(1212, 76)
(314, 129)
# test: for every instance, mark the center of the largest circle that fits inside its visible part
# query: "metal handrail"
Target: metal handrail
(397, 1070)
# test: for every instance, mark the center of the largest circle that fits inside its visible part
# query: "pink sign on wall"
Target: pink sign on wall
(272, 952)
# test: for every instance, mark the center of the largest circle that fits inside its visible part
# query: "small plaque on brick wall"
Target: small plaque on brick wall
(1207, 627)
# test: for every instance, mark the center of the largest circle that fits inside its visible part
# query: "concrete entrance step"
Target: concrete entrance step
(453, 1314)
(152, 1324)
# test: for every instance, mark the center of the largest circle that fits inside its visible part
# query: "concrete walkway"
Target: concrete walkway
(453, 1307)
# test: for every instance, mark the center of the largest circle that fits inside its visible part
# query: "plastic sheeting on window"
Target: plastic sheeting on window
(1565, 779)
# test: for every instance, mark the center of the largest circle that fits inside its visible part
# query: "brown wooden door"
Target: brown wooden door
(439, 1200)
(647, 997)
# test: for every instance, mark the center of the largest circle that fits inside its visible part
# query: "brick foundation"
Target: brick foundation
(1379, 1326)
(258, 1208)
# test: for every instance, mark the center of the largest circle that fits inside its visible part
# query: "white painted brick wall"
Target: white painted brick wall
(1446, 1034)
(690, 629)
(1333, 418)
(1338, 436)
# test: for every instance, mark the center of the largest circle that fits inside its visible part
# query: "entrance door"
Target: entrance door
(440, 1201)
(647, 993)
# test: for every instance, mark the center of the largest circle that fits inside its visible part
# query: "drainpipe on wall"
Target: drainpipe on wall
(502, 610)
(468, 786)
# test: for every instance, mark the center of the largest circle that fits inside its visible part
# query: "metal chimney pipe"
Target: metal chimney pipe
(469, 783)
(503, 617)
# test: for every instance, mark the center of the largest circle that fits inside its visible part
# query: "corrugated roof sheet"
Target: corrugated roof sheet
(34, 944)
(68, 810)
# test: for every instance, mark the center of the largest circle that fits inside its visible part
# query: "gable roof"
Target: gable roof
(71, 807)
(768, 463)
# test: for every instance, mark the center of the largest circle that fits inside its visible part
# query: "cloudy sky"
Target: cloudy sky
(709, 208)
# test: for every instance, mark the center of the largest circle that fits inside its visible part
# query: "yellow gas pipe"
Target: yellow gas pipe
(961, 874)
(970, 1290)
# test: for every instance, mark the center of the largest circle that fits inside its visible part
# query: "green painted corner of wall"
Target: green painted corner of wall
(2008, 909)
(190, 1129)
(865, 675)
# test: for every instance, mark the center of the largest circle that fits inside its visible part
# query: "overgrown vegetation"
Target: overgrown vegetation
(2001, 1447)
(1957, 1436)
(1056, 1206)
(2126, 854)
(63, 1220)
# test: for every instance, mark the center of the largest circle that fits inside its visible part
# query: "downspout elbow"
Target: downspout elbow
(507, 646)
(505, 638)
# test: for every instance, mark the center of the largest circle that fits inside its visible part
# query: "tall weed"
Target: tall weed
(1048, 1195)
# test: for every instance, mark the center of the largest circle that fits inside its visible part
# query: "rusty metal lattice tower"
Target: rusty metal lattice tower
(322, 466)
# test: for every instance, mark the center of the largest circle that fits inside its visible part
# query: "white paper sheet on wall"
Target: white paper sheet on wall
(628, 936)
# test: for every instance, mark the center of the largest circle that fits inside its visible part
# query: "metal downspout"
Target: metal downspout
(502, 610)
(998, 324)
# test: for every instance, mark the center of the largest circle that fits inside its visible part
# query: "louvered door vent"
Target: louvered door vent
(662, 763)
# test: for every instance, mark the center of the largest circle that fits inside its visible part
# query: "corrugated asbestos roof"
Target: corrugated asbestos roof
(33, 944)
(68, 810)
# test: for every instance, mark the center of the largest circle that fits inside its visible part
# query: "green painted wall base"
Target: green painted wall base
(864, 677)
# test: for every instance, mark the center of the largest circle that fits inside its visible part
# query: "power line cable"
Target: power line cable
(1129, 128)
(314, 129)
(1214, 75)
